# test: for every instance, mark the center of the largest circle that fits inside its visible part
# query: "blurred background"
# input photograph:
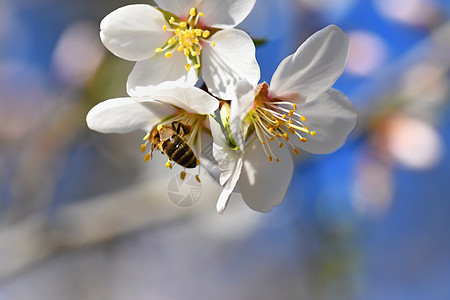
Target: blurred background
(83, 217)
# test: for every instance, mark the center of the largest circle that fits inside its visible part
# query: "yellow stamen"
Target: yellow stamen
(291, 113)
(171, 20)
(183, 24)
(157, 50)
(303, 139)
(281, 145)
(284, 116)
(146, 136)
(201, 14)
(165, 27)
(147, 157)
(183, 175)
(168, 54)
(290, 121)
(196, 66)
(295, 106)
(187, 67)
(206, 33)
(286, 136)
(295, 151)
(213, 44)
(270, 158)
(263, 142)
(277, 160)
(312, 133)
(291, 130)
(198, 178)
(192, 12)
(302, 118)
(143, 147)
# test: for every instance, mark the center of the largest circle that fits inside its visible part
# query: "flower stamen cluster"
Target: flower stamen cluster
(187, 37)
(274, 120)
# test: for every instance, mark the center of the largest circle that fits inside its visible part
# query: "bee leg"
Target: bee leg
(168, 164)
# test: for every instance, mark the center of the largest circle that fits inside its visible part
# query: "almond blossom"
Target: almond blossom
(179, 40)
(299, 110)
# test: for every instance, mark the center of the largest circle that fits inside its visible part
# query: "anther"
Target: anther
(183, 175)
(302, 118)
(159, 127)
(272, 139)
(270, 158)
(183, 24)
(284, 116)
(303, 139)
(201, 14)
(286, 136)
(171, 20)
(296, 151)
(263, 142)
(196, 66)
(146, 136)
(312, 133)
(292, 130)
(213, 44)
(143, 147)
(147, 157)
(198, 178)
(277, 159)
(192, 12)
(281, 145)
(165, 27)
(295, 106)
(291, 113)
(168, 54)
(187, 67)
(206, 33)
(290, 121)
(157, 50)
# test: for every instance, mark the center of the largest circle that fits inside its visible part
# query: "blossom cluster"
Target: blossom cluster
(254, 127)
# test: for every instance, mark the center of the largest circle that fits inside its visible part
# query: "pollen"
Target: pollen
(213, 44)
(147, 157)
(143, 147)
(188, 37)
(183, 175)
(313, 133)
(146, 136)
(198, 178)
(187, 67)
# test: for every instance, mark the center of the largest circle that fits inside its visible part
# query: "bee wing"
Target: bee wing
(165, 133)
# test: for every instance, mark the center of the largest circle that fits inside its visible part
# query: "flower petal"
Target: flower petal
(225, 13)
(122, 115)
(149, 73)
(263, 184)
(332, 116)
(236, 124)
(222, 153)
(313, 68)
(180, 8)
(191, 99)
(245, 94)
(133, 32)
(232, 59)
(224, 197)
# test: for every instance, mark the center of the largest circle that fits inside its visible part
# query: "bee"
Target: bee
(170, 140)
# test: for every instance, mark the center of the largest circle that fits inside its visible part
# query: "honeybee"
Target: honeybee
(170, 140)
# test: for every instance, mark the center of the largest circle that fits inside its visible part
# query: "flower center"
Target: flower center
(276, 121)
(186, 126)
(187, 37)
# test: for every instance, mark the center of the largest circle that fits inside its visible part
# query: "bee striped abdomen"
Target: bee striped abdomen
(179, 151)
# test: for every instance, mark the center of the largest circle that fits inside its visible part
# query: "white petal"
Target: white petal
(180, 8)
(191, 99)
(313, 68)
(207, 160)
(225, 157)
(133, 32)
(122, 115)
(332, 116)
(232, 59)
(224, 197)
(236, 124)
(263, 184)
(149, 73)
(225, 13)
(245, 94)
